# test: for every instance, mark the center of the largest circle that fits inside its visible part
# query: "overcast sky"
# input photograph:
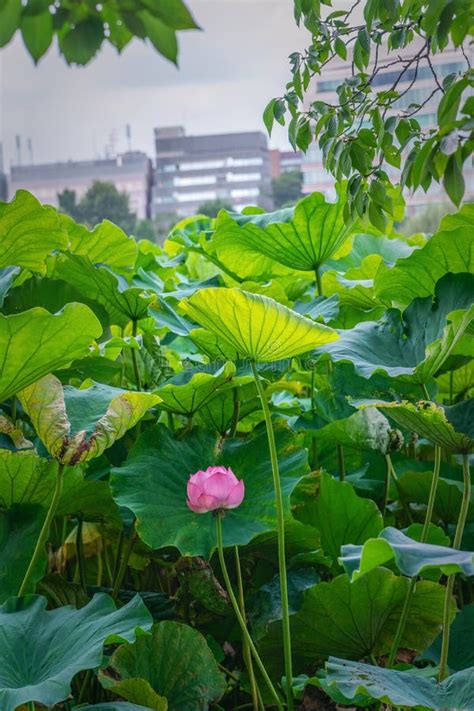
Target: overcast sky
(227, 74)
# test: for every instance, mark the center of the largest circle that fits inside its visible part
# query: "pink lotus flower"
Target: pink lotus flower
(215, 488)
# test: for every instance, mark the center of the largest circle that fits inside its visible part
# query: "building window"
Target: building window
(244, 192)
(243, 177)
(243, 162)
(199, 180)
(202, 165)
(170, 168)
(195, 197)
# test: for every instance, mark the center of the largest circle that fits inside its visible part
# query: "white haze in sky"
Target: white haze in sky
(227, 74)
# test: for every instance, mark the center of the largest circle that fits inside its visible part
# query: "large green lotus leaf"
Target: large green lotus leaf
(357, 619)
(368, 245)
(7, 277)
(50, 294)
(415, 342)
(264, 605)
(26, 487)
(414, 486)
(139, 690)
(361, 430)
(197, 390)
(461, 649)
(79, 424)
(213, 346)
(459, 382)
(337, 512)
(105, 244)
(315, 232)
(159, 502)
(177, 664)
(29, 232)
(451, 428)
(237, 253)
(450, 250)
(411, 557)
(121, 301)
(400, 688)
(353, 291)
(60, 643)
(321, 308)
(36, 342)
(115, 706)
(238, 401)
(256, 326)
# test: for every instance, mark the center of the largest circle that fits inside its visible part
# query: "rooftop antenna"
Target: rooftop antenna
(29, 144)
(18, 149)
(128, 133)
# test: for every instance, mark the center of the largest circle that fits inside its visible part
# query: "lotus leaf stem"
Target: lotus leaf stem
(281, 539)
(238, 614)
(466, 498)
(246, 649)
(424, 535)
(43, 536)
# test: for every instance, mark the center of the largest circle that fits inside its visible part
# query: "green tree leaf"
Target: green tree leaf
(37, 33)
(191, 685)
(76, 425)
(160, 35)
(256, 326)
(30, 231)
(159, 503)
(411, 557)
(61, 642)
(337, 512)
(10, 13)
(400, 688)
(36, 342)
(453, 180)
(80, 43)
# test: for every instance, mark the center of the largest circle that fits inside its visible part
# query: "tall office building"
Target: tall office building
(316, 178)
(191, 170)
(129, 172)
(284, 161)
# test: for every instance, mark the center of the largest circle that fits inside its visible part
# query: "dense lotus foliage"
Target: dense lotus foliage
(234, 470)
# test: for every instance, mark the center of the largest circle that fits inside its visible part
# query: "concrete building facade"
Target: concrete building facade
(191, 170)
(130, 173)
(416, 89)
(284, 161)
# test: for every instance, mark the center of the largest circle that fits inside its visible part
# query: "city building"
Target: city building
(130, 173)
(284, 161)
(316, 178)
(191, 170)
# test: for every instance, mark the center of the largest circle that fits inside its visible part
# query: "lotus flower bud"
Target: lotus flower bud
(215, 488)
